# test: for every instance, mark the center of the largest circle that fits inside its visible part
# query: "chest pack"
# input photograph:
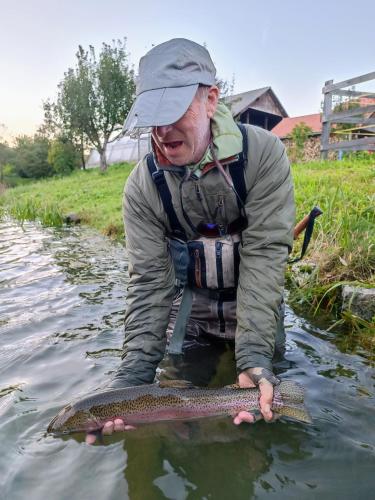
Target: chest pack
(204, 263)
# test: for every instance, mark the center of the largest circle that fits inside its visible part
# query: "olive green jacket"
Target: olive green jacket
(263, 255)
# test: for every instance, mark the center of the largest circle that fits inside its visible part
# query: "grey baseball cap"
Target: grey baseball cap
(168, 78)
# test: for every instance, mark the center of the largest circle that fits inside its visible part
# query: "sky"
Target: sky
(292, 46)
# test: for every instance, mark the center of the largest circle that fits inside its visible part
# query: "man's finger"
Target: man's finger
(244, 416)
(108, 428)
(265, 400)
(119, 425)
(90, 438)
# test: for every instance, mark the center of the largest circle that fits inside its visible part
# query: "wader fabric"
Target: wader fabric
(266, 243)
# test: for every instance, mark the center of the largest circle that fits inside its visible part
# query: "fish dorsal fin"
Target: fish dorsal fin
(233, 386)
(176, 384)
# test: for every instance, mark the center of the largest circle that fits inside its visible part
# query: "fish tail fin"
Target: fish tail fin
(297, 412)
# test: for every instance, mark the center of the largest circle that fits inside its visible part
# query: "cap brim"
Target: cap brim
(158, 107)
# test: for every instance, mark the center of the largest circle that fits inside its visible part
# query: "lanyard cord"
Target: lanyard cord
(226, 177)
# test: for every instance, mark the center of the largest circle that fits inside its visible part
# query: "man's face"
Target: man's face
(185, 141)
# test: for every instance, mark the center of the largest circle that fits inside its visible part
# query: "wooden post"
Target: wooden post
(326, 125)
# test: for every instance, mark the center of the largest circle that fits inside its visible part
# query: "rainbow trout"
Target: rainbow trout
(173, 400)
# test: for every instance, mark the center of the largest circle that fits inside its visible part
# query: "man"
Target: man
(185, 194)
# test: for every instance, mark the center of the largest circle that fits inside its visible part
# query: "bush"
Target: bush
(299, 135)
(31, 157)
(63, 157)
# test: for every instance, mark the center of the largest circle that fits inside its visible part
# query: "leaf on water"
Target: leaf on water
(10, 389)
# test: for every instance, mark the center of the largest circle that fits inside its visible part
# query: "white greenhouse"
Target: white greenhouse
(125, 149)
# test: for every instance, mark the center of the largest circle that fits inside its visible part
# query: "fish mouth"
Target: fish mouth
(56, 426)
(50, 428)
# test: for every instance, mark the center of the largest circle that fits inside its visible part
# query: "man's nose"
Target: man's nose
(163, 130)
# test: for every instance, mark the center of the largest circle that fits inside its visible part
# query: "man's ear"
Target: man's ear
(212, 100)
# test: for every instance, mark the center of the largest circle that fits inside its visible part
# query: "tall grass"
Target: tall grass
(344, 242)
(93, 195)
(342, 250)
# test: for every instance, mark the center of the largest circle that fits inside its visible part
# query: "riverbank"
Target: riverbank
(93, 195)
(342, 249)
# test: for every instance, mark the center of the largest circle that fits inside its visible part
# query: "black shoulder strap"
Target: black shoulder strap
(161, 183)
(237, 169)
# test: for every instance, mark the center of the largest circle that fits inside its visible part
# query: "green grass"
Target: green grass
(343, 244)
(14, 180)
(94, 195)
(342, 249)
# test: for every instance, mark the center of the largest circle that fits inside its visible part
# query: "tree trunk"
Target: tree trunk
(82, 151)
(83, 163)
(103, 160)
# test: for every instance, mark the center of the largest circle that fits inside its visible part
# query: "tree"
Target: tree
(31, 157)
(95, 97)
(6, 156)
(62, 156)
(299, 135)
(54, 128)
(226, 87)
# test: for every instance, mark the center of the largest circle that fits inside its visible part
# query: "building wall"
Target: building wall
(267, 104)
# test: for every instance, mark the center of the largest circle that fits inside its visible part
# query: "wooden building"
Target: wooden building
(259, 107)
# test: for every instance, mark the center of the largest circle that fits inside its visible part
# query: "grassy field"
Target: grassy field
(342, 248)
(94, 195)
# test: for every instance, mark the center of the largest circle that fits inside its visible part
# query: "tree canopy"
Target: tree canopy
(31, 157)
(94, 97)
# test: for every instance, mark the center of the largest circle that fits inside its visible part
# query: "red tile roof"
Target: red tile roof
(285, 127)
(366, 101)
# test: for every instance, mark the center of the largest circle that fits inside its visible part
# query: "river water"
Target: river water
(62, 300)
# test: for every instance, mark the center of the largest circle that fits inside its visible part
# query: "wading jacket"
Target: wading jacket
(266, 243)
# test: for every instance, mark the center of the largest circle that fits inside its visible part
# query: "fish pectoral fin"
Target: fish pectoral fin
(180, 384)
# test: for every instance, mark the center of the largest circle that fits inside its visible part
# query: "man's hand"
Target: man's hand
(117, 425)
(265, 380)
